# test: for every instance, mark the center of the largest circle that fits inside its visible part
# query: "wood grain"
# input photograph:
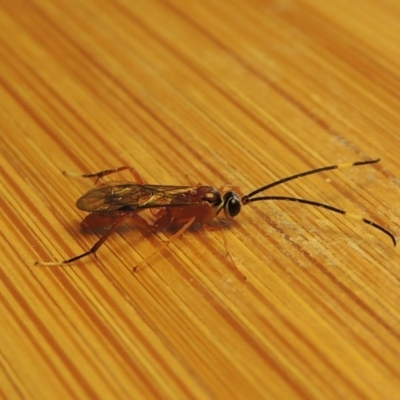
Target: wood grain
(222, 93)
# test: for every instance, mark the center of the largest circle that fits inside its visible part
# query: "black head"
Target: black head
(231, 205)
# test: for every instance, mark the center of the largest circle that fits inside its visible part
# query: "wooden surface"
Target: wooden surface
(217, 92)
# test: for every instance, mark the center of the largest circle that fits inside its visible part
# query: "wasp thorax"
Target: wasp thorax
(212, 196)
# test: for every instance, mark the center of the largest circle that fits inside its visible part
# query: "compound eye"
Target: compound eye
(232, 204)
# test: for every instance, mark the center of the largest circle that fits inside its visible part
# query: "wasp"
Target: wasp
(113, 203)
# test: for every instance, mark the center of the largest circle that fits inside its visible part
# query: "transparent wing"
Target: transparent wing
(128, 196)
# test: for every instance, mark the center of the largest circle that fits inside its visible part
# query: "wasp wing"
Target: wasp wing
(128, 196)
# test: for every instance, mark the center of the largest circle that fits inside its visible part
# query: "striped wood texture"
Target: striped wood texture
(223, 93)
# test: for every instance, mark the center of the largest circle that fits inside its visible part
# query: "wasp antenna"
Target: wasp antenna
(374, 224)
(246, 200)
(310, 172)
(50, 263)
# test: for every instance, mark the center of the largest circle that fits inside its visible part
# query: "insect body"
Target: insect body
(174, 202)
(112, 203)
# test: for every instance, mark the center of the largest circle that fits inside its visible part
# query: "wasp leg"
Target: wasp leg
(102, 174)
(162, 223)
(136, 218)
